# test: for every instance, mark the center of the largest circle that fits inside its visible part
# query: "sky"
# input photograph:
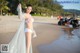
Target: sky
(70, 4)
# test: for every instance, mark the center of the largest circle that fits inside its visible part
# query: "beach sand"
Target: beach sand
(46, 28)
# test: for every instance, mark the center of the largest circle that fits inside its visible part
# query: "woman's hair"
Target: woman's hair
(29, 5)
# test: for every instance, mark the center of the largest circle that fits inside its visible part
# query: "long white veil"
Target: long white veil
(18, 43)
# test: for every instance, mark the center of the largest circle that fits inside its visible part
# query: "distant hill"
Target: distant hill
(77, 12)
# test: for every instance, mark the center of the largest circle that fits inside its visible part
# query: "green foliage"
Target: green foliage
(45, 7)
(3, 6)
(41, 7)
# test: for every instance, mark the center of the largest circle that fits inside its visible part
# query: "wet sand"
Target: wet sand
(50, 37)
(61, 45)
(46, 33)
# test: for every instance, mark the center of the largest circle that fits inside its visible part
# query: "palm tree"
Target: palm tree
(3, 6)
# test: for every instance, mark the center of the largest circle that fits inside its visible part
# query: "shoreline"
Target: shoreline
(52, 33)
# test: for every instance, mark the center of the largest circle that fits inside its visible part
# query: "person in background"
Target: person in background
(59, 17)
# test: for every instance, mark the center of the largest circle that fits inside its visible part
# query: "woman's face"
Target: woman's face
(29, 9)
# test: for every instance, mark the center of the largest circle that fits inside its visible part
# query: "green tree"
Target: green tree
(47, 7)
(3, 6)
